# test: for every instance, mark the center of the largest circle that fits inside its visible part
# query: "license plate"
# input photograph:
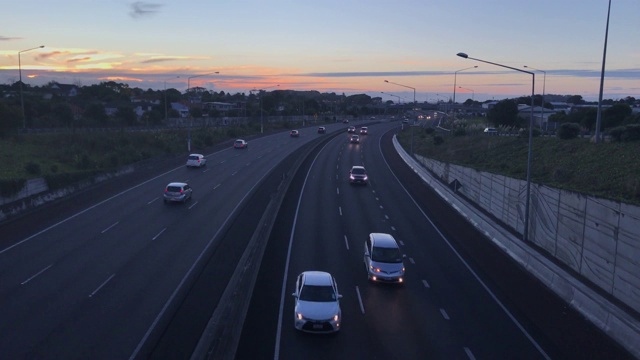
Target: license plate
(317, 326)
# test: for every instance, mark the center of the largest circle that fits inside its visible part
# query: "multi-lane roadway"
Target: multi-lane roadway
(116, 275)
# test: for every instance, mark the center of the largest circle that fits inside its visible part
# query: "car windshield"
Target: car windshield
(317, 293)
(193, 157)
(386, 255)
(358, 171)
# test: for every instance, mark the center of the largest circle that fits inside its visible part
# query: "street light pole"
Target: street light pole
(455, 75)
(604, 58)
(544, 84)
(24, 118)
(190, 119)
(533, 84)
(260, 97)
(414, 89)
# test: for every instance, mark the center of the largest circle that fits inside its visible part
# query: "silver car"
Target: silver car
(177, 192)
(317, 304)
(383, 259)
(196, 160)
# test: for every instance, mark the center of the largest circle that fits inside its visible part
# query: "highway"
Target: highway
(102, 278)
(448, 308)
(113, 273)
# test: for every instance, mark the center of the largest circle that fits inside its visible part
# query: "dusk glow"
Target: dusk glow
(342, 46)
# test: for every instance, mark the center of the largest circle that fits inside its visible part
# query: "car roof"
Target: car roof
(384, 240)
(177, 184)
(317, 278)
(357, 167)
(196, 155)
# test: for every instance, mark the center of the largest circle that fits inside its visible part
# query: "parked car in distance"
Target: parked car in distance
(294, 133)
(317, 303)
(383, 259)
(196, 160)
(351, 129)
(364, 130)
(491, 131)
(322, 130)
(355, 139)
(358, 175)
(345, 121)
(177, 192)
(240, 144)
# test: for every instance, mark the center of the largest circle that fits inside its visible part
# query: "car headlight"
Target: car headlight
(351, 177)
(336, 317)
(374, 269)
(299, 316)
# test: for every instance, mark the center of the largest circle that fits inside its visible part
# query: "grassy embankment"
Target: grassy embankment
(607, 170)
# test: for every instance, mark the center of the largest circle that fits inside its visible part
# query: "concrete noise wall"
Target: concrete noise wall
(597, 238)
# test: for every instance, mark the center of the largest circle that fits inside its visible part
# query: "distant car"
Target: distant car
(383, 259)
(351, 129)
(405, 121)
(373, 118)
(240, 144)
(196, 160)
(322, 130)
(345, 121)
(358, 175)
(317, 303)
(364, 130)
(177, 192)
(491, 131)
(294, 133)
(355, 139)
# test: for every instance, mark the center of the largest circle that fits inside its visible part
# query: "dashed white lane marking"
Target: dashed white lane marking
(160, 233)
(102, 285)
(444, 314)
(425, 283)
(412, 261)
(346, 242)
(233, 173)
(34, 276)
(338, 191)
(400, 241)
(109, 228)
(469, 353)
(192, 205)
(217, 186)
(340, 210)
(393, 228)
(360, 300)
(153, 200)
(386, 217)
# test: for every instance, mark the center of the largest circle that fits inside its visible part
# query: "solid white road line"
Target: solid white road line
(192, 205)
(153, 200)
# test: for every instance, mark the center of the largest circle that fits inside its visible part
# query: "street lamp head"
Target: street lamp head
(462, 55)
(386, 81)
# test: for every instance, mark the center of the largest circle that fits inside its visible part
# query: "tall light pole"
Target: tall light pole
(604, 58)
(190, 121)
(24, 118)
(166, 111)
(544, 84)
(414, 89)
(455, 75)
(473, 93)
(260, 98)
(533, 84)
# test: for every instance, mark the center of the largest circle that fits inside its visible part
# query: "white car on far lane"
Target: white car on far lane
(196, 160)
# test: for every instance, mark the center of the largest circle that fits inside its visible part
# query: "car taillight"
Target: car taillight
(181, 191)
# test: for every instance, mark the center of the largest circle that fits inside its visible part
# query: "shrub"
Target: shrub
(429, 130)
(524, 133)
(629, 132)
(32, 168)
(437, 140)
(459, 132)
(568, 131)
(11, 187)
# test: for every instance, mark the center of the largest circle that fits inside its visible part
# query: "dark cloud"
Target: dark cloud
(142, 8)
(157, 60)
(87, 58)
(7, 38)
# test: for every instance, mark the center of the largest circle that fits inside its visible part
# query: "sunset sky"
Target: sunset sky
(342, 46)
